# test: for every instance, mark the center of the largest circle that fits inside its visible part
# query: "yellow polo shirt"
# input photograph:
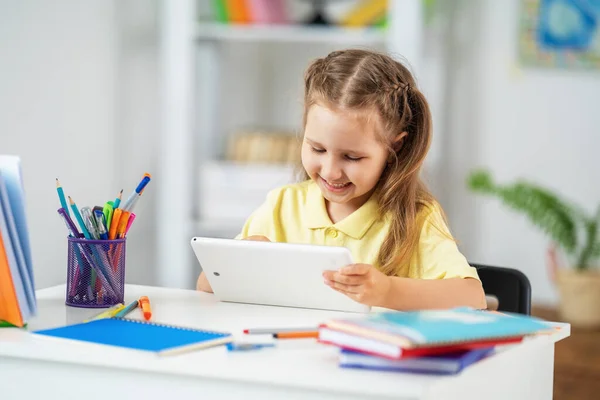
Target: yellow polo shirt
(296, 213)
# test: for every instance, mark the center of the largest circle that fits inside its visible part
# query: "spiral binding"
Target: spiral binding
(183, 328)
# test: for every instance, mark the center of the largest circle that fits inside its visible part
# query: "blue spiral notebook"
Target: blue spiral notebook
(140, 335)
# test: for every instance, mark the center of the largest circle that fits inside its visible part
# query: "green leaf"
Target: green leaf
(481, 181)
(543, 208)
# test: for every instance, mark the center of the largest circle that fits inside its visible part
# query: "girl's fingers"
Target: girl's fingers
(351, 280)
(350, 289)
(355, 269)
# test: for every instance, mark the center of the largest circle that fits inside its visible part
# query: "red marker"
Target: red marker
(145, 306)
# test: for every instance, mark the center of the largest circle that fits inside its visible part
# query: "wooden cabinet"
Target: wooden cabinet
(576, 361)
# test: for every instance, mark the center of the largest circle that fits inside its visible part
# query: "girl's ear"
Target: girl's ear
(398, 141)
(397, 145)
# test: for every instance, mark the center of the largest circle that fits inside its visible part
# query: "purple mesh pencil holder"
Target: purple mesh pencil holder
(95, 272)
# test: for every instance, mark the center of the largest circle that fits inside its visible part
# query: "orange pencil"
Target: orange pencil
(296, 335)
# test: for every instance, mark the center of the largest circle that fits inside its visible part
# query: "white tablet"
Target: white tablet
(279, 274)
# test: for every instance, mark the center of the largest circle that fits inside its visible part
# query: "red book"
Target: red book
(395, 351)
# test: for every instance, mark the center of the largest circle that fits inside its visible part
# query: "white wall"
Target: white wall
(536, 124)
(74, 74)
(137, 127)
(57, 92)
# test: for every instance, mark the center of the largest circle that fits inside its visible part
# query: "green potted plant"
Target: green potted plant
(570, 229)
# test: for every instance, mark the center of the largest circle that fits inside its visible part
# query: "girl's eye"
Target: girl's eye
(318, 150)
(350, 158)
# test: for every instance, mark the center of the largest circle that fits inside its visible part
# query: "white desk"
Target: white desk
(33, 366)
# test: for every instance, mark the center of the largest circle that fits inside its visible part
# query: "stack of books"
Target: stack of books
(17, 288)
(432, 341)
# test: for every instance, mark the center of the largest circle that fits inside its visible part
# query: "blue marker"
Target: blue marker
(128, 205)
(247, 346)
(100, 224)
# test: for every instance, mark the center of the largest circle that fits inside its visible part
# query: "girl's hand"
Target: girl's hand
(361, 282)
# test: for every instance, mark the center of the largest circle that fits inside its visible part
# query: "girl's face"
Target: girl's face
(343, 155)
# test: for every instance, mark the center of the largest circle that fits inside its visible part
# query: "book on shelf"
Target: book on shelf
(243, 11)
(442, 364)
(366, 13)
(404, 334)
(359, 14)
(17, 288)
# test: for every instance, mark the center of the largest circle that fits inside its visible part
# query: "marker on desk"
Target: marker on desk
(296, 335)
(132, 306)
(145, 305)
(99, 216)
(270, 331)
(247, 346)
(61, 196)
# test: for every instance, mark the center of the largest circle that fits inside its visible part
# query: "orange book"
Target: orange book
(365, 13)
(238, 11)
(9, 306)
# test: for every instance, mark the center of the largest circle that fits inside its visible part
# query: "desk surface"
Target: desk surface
(294, 363)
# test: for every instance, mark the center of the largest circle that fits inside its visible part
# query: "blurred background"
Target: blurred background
(206, 96)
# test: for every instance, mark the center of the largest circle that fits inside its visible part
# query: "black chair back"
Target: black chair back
(510, 286)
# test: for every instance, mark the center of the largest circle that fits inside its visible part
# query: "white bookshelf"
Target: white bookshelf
(290, 34)
(191, 64)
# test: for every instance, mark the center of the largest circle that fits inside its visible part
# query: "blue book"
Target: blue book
(440, 327)
(439, 364)
(140, 335)
(13, 199)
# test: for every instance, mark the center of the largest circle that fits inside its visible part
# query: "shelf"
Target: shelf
(229, 191)
(291, 33)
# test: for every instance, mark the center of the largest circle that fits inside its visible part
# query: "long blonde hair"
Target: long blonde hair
(368, 81)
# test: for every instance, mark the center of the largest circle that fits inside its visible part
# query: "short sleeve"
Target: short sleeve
(263, 220)
(439, 257)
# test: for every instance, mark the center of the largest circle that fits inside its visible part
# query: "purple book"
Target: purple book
(440, 364)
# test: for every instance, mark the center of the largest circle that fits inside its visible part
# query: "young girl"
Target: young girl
(367, 130)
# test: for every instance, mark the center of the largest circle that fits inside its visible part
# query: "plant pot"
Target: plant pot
(579, 297)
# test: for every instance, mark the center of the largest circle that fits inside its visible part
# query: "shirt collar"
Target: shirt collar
(354, 225)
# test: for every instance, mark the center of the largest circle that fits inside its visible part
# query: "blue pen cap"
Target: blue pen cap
(142, 184)
(100, 221)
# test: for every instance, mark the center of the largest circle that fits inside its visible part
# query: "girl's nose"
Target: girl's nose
(331, 171)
